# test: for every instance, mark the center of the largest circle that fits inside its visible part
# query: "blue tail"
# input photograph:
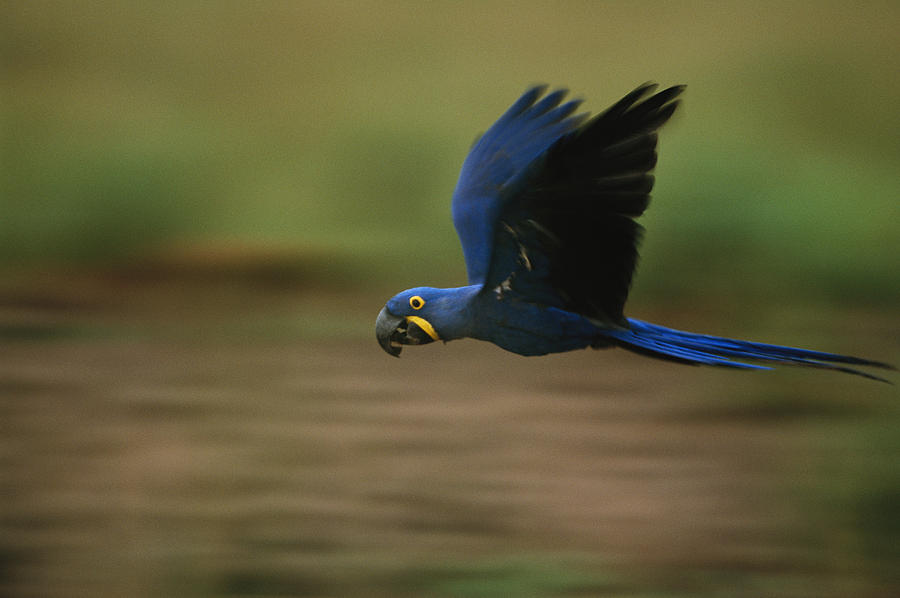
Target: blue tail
(701, 349)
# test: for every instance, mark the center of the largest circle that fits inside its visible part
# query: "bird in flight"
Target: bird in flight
(545, 209)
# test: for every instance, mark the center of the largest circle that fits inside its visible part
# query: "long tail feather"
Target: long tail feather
(702, 349)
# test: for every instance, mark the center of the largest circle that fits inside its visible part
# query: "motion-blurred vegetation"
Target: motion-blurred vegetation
(339, 128)
(203, 203)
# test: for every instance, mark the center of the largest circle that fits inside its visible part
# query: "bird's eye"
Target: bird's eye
(416, 302)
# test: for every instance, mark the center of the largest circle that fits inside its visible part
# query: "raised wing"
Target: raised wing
(497, 165)
(567, 237)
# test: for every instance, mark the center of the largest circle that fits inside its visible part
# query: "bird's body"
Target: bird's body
(544, 209)
(511, 322)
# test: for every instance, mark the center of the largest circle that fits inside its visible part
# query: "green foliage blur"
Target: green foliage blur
(337, 130)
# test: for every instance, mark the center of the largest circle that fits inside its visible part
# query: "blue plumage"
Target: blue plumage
(497, 163)
(544, 208)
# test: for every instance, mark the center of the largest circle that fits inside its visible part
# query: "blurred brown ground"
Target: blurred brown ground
(162, 438)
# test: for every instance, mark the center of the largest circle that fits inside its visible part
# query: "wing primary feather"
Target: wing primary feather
(660, 99)
(521, 105)
(628, 101)
(645, 142)
(636, 182)
(558, 114)
(550, 101)
(538, 117)
(572, 210)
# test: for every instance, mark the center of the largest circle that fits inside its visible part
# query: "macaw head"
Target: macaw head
(409, 318)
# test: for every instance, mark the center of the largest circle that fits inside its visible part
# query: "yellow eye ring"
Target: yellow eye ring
(416, 302)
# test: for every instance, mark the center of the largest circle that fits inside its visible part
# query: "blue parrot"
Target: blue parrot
(544, 208)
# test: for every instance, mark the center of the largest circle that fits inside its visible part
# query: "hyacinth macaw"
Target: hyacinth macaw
(544, 208)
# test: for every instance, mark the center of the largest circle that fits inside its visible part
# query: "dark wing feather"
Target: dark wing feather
(568, 237)
(497, 162)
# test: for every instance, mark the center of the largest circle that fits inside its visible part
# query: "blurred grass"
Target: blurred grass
(335, 127)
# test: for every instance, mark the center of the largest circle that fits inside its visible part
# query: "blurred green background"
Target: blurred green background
(203, 205)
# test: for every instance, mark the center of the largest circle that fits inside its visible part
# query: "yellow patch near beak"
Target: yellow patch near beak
(424, 325)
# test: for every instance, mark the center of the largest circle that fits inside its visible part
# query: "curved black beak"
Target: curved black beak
(393, 332)
(390, 330)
